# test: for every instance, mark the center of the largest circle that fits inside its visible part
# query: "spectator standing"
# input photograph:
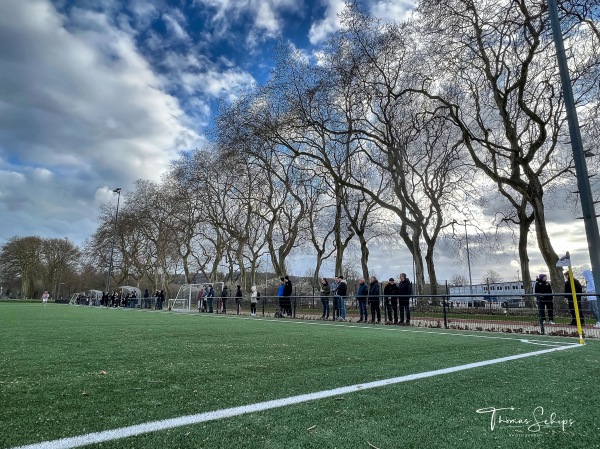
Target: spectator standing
(404, 294)
(204, 299)
(160, 299)
(337, 308)
(569, 298)
(200, 300)
(374, 291)
(238, 300)
(287, 292)
(210, 295)
(342, 293)
(253, 300)
(361, 297)
(281, 297)
(224, 294)
(324, 293)
(590, 287)
(390, 299)
(146, 299)
(543, 289)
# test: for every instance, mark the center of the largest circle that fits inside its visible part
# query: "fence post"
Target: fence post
(446, 307)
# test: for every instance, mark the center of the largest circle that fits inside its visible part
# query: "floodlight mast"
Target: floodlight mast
(583, 181)
(468, 259)
(112, 249)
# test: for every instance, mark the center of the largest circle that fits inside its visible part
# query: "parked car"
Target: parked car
(513, 303)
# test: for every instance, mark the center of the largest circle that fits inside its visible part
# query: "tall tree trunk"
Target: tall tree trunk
(525, 221)
(545, 246)
(412, 243)
(431, 270)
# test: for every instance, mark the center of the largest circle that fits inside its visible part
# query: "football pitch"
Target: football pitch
(77, 376)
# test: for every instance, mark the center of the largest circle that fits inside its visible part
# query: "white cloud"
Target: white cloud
(175, 23)
(392, 10)
(144, 12)
(80, 108)
(322, 29)
(265, 15)
(228, 84)
(386, 11)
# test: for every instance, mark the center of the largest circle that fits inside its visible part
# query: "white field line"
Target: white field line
(376, 328)
(155, 426)
(406, 329)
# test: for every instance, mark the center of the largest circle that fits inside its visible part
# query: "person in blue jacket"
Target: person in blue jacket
(361, 297)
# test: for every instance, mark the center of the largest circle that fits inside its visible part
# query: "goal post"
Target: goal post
(188, 295)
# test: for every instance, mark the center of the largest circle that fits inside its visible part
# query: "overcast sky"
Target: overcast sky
(97, 93)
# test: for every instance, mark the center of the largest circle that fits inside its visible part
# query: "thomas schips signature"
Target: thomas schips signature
(537, 421)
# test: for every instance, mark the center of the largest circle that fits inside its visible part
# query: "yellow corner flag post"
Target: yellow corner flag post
(572, 281)
(565, 261)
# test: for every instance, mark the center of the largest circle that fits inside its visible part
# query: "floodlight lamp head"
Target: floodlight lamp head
(117, 190)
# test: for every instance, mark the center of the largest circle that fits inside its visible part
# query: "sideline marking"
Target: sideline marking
(415, 329)
(155, 426)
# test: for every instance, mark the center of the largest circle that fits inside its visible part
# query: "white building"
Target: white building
(496, 292)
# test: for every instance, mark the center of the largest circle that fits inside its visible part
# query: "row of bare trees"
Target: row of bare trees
(419, 119)
(391, 130)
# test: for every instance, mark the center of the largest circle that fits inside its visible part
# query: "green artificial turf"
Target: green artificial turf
(68, 371)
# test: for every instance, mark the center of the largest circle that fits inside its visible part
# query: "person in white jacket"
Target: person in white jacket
(253, 300)
(592, 299)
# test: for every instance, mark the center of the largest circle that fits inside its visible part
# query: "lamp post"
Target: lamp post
(112, 249)
(468, 259)
(583, 179)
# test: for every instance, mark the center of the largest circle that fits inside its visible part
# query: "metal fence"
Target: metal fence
(503, 314)
(509, 314)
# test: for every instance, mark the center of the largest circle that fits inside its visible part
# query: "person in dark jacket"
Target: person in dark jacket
(210, 294)
(361, 297)
(147, 302)
(281, 298)
(543, 289)
(287, 292)
(325, 292)
(224, 295)
(342, 292)
(374, 300)
(390, 299)
(569, 298)
(404, 292)
(160, 299)
(238, 299)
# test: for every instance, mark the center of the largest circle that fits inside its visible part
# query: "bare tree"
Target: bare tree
(495, 73)
(459, 280)
(59, 257)
(491, 277)
(21, 258)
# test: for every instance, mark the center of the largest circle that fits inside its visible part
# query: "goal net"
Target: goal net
(187, 296)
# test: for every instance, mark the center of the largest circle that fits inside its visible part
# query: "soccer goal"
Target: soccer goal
(187, 296)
